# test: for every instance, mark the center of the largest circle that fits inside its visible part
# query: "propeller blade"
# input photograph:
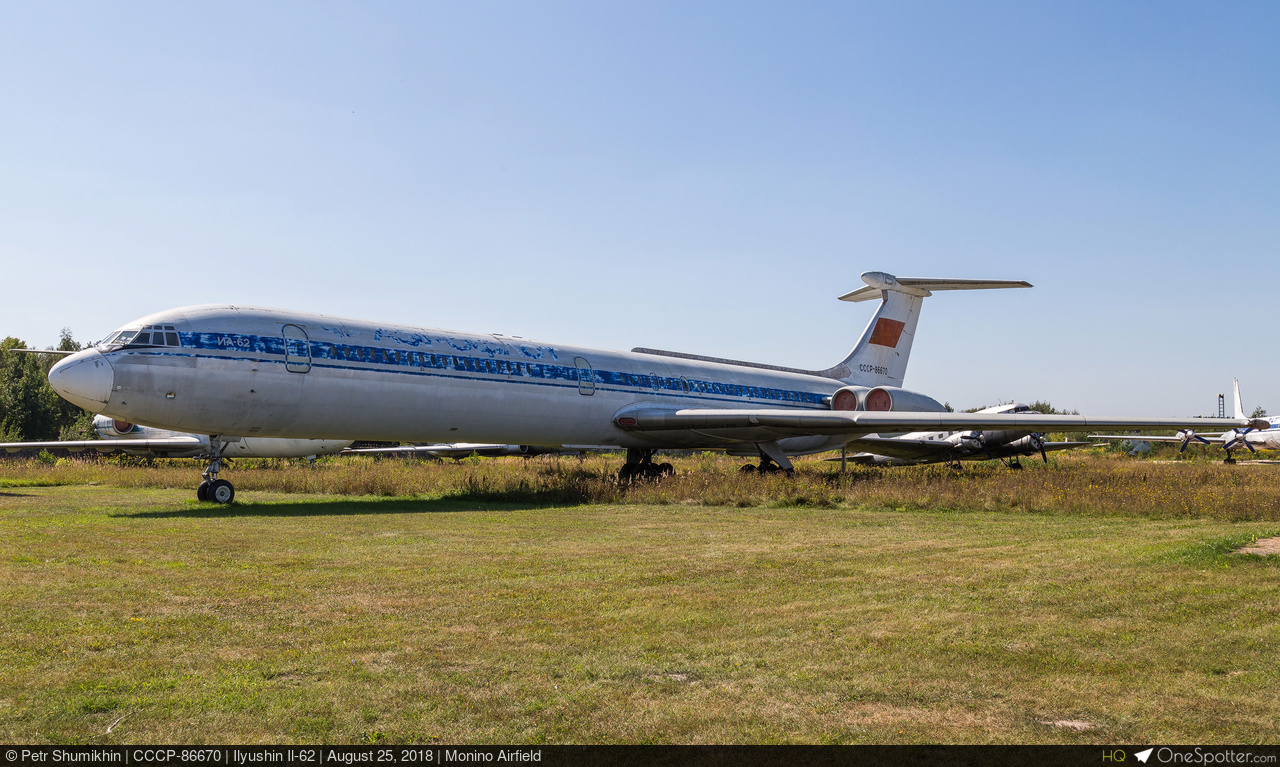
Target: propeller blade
(1187, 437)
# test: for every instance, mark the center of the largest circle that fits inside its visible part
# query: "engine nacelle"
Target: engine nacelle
(967, 440)
(108, 428)
(878, 399)
(1032, 443)
(848, 398)
(882, 398)
(1236, 438)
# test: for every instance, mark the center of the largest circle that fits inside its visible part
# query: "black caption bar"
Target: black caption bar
(649, 756)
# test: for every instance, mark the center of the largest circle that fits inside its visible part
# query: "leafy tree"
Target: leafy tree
(73, 422)
(27, 411)
(66, 343)
(29, 407)
(1040, 406)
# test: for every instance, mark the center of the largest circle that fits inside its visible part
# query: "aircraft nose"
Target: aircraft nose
(84, 379)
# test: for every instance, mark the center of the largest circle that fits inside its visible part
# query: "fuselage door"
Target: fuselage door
(586, 378)
(297, 349)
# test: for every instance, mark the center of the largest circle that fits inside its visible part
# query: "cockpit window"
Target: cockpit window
(151, 335)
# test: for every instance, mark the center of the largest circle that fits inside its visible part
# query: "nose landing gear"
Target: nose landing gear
(212, 488)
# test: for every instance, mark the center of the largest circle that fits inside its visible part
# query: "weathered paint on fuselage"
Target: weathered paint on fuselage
(351, 379)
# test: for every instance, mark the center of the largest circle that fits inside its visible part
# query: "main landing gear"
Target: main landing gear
(212, 488)
(767, 466)
(640, 465)
(772, 459)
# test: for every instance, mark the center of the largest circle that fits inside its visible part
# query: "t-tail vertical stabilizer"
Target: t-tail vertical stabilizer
(880, 356)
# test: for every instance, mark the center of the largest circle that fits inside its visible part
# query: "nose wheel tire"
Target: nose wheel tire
(221, 491)
(202, 492)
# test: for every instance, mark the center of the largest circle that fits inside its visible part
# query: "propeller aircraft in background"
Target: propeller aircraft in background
(955, 446)
(236, 372)
(1262, 433)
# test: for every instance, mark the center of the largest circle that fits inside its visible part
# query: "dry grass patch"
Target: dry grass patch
(1089, 484)
(1263, 548)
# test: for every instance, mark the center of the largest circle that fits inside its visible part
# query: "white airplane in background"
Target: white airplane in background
(130, 438)
(1253, 437)
(955, 446)
(233, 370)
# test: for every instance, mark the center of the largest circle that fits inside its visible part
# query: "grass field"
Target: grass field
(1094, 602)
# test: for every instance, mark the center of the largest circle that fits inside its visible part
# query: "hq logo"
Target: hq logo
(1119, 755)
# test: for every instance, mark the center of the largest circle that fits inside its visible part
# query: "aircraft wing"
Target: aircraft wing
(765, 425)
(409, 449)
(455, 450)
(1212, 438)
(41, 351)
(109, 445)
(901, 447)
(929, 450)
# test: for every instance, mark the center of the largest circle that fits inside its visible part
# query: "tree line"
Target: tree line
(29, 408)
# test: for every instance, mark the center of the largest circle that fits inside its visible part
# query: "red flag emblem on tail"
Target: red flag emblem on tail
(887, 332)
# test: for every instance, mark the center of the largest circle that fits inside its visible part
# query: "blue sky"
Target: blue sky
(704, 177)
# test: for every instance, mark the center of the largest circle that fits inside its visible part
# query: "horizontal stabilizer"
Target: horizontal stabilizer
(879, 282)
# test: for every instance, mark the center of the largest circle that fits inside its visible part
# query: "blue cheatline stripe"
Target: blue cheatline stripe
(325, 354)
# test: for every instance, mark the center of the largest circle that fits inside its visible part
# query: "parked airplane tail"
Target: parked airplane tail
(880, 356)
(1235, 382)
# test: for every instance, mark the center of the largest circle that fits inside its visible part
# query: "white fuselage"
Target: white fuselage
(1265, 439)
(260, 372)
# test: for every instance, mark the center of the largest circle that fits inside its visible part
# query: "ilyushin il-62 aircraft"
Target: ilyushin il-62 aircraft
(132, 439)
(236, 372)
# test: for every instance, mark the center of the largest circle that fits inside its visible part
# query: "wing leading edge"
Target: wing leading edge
(772, 423)
(109, 445)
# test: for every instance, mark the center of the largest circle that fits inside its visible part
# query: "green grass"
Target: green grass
(452, 617)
